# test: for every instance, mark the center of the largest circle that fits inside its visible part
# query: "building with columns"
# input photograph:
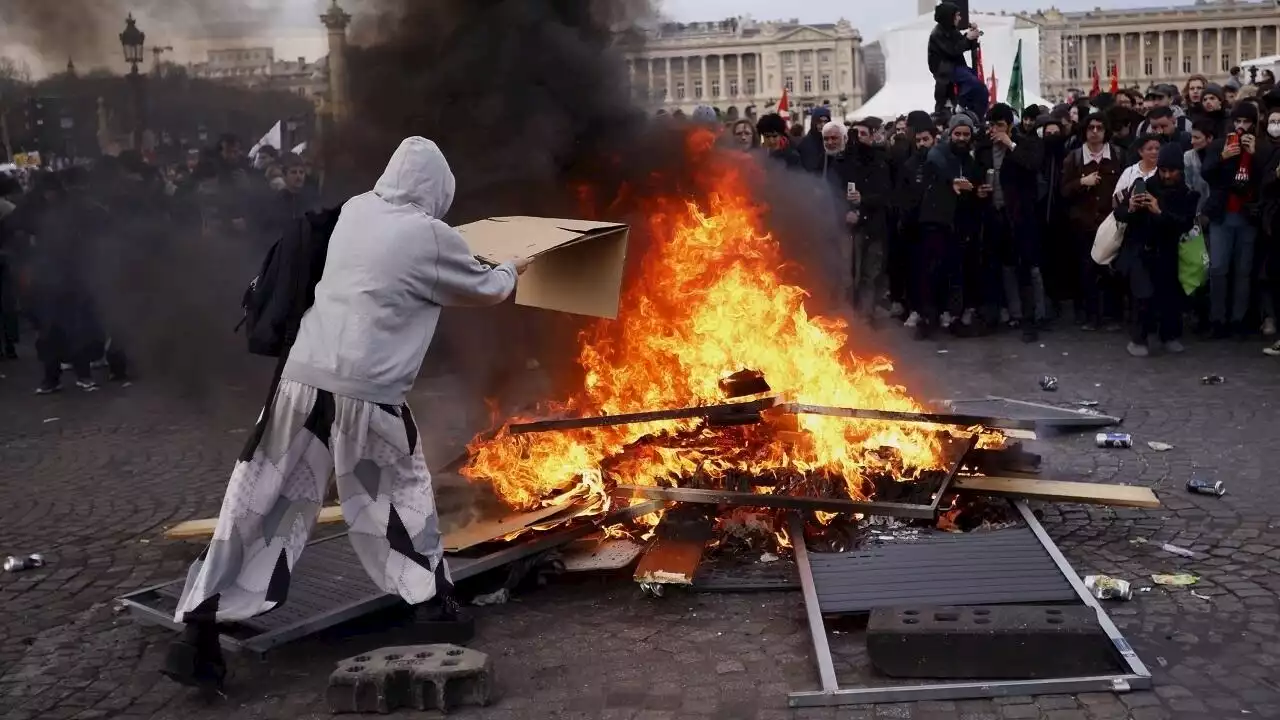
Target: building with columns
(1153, 45)
(740, 66)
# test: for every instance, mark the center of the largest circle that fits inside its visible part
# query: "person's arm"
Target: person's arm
(1072, 174)
(1217, 171)
(1178, 215)
(874, 198)
(1122, 212)
(449, 275)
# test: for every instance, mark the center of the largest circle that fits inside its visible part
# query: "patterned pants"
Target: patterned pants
(276, 491)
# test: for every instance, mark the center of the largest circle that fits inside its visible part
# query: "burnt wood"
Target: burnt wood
(726, 411)
(680, 539)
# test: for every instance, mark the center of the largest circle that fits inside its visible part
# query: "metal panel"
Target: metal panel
(987, 568)
(1042, 414)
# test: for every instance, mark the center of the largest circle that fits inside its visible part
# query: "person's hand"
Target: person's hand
(521, 265)
(1091, 179)
(1135, 202)
(1230, 150)
(984, 191)
(854, 196)
(1001, 138)
(1151, 204)
(1249, 142)
(960, 185)
(851, 217)
(972, 32)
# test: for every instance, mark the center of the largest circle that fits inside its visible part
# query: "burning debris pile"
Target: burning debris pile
(715, 321)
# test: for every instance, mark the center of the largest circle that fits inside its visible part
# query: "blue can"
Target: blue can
(1114, 440)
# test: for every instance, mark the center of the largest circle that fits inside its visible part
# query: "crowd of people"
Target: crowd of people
(58, 228)
(971, 224)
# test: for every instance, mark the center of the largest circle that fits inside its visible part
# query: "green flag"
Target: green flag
(1015, 99)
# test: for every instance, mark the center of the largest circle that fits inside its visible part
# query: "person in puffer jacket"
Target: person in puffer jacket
(340, 408)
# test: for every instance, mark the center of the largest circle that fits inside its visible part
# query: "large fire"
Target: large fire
(710, 299)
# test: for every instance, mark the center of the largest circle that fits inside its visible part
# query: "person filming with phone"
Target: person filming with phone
(1158, 211)
(1232, 204)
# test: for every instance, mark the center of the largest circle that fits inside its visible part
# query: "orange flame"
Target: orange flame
(710, 299)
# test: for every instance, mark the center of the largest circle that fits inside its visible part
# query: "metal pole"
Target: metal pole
(817, 628)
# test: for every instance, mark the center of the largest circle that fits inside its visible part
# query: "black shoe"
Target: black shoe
(49, 389)
(1219, 331)
(924, 330)
(196, 660)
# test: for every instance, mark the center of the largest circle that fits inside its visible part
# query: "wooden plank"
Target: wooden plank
(790, 502)
(909, 417)
(703, 411)
(202, 529)
(1060, 491)
(482, 532)
(676, 552)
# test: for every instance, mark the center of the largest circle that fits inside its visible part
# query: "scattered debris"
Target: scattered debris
(1202, 597)
(1206, 487)
(943, 352)
(1105, 587)
(1162, 661)
(1113, 440)
(1159, 446)
(1212, 380)
(1176, 580)
(1087, 403)
(15, 564)
(768, 558)
(52, 419)
(498, 597)
(1167, 547)
(1049, 383)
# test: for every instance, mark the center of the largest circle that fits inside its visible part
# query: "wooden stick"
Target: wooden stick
(909, 417)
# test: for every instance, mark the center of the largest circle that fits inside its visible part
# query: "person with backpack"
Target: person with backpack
(389, 266)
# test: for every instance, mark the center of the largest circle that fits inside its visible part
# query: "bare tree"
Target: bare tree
(14, 71)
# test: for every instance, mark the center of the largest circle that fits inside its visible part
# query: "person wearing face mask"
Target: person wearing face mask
(1233, 181)
(1212, 109)
(909, 194)
(1155, 221)
(866, 168)
(1089, 177)
(773, 139)
(1013, 224)
(949, 257)
(1269, 223)
(1059, 280)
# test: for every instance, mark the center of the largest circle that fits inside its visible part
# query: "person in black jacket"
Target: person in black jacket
(812, 153)
(1233, 195)
(1156, 221)
(947, 64)
(867, 167)
(773, 141)
(951, 197)
(1013, 226)
(1059, 265)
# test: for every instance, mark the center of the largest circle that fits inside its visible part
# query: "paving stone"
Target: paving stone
(422, 677)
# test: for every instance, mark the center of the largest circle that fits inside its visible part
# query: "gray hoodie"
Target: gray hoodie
(392, 264)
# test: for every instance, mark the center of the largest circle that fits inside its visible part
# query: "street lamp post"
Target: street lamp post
(133, 41)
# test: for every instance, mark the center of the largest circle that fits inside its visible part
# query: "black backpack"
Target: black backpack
(285, 288)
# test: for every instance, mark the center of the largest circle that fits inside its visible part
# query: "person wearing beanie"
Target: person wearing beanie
(867, 168)
(1089, 177)
(909, 191)
(1233, 197)
(1155, 221)
(1212, 109)
(812, 153)
(1014, 228)
(948, 65)
(1030, 114)
(773, 139)
(952, 198)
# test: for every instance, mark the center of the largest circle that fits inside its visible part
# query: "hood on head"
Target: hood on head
(1171, 157)
(418, 174)
(945, 14)
(919, 121)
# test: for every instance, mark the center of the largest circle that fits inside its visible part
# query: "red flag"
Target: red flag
(977, 55)
(1115, 79)
(993, 88)
(1097, 83)
(784, 105)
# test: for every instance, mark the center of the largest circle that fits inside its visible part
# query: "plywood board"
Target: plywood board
(578, 264)
(203, 529)
(1059, 491)
(675, 554)
(482, 532)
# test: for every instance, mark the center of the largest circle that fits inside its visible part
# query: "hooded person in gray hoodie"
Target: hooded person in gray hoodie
(340, 408)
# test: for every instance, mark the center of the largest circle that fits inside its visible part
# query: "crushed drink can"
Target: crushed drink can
(1049, 383)
(16, 564)
(1206, 487)
(1105, 587)
(1114, 440)
(1212, 380)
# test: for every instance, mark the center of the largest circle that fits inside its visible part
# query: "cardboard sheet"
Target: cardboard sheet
(578, 264)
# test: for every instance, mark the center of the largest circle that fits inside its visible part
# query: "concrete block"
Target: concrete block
(421, 677)
(989, 642)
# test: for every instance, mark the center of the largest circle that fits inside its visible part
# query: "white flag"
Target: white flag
(274, 138)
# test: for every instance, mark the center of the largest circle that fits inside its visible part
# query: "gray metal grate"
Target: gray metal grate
(979, 568)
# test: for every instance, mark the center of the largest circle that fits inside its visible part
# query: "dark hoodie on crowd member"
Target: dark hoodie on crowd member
(947, 48)
(1017, 187)
(1030, 115)
(1216, 118)
(868, 167)
(812, 153)
(1122, 121)
(1233, 182)
(940, 203)
(773, 124)
(1149, 255)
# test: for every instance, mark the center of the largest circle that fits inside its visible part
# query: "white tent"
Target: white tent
(908, 84)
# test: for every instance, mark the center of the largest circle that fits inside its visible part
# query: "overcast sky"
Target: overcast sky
(869, 16)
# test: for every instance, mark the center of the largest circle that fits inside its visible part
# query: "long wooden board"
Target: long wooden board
(702, 411)
(1059, 491)
(202, 529)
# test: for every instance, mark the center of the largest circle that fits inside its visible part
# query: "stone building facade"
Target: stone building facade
(1153, 45)
(257, 67)
(740, 66)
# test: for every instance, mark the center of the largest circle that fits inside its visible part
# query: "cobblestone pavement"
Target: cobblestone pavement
(91, 481)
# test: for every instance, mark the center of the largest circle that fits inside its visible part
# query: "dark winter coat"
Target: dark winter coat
(1019, 178)
(940, 204)
(868, 168)
(1087, 207)
(1221, 174)
(1151, 241)
(947, 44)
